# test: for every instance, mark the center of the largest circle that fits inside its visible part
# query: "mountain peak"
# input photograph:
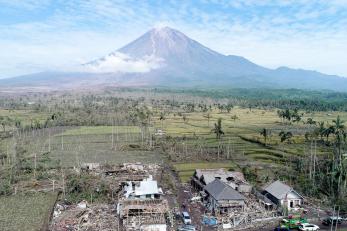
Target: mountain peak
(162, 28)
(168, 36)
(165, 56)
(167, 43)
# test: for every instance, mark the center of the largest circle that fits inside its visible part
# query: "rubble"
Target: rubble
(138, 202)
(95, 217)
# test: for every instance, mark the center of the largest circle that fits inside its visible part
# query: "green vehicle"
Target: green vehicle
(292, 222)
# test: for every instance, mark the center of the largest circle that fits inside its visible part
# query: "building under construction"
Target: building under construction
(142, 207)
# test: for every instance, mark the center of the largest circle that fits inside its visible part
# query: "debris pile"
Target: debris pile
(83, 217)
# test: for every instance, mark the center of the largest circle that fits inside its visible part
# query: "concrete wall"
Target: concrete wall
(153, 227)
(292, 200)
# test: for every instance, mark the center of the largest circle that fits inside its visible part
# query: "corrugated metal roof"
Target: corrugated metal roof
(222, 191)
(209, 175)
(279, 189)
(147, 187)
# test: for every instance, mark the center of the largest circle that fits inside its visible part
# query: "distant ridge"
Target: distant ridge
(166, 57)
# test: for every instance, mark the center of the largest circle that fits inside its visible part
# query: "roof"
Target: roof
(221, 191)
(209, 175)
(185, 214)
(279, 189)
(147, 187)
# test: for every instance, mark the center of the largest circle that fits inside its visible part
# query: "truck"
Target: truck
(292, 222)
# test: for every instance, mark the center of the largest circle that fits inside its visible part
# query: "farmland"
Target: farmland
(49, 140)
(26, 212)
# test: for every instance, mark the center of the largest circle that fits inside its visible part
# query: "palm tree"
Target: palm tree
(185, 118)
(218, 129)
(234, 118)
(339, 129)
(208, 117)
(285, 136)
(5, 121)
(340, 134)
(321, 129)
(219, 132)
(17, 123)
(162, 118)
(311, 121)
(328, 131)
(265, 133)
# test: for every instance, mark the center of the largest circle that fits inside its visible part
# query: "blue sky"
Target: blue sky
(39, 35)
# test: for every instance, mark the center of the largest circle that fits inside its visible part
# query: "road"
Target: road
(342, 227)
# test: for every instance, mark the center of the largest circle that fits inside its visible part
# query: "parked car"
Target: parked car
(332, 220)
(308, 227)
(186, 218)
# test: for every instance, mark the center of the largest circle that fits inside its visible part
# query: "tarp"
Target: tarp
(211, 221)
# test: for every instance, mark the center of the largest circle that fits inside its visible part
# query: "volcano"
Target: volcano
(166, 57)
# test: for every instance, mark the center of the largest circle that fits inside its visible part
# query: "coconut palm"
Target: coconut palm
(285, 136)
(265, 133)
(162, 118)
(321, 129)
(208, 117)
(5, 121)
(218, 129)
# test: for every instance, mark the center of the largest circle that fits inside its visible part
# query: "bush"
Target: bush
(85, 187)
(5, 188)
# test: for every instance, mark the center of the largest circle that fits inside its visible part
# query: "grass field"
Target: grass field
(98, 130)
(25, 212)
(94, 143)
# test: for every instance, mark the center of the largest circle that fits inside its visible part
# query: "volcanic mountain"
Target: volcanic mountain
(167, 57)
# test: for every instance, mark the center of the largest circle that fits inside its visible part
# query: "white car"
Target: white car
(308, 227)
(186, 218)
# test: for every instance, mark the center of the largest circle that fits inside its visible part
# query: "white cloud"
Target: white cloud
(118, 62)
(301, 33)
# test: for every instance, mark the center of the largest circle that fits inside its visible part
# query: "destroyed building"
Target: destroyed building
(142, 207)
(283, 195)
(148, 188)
(236, 180)
(222, 198)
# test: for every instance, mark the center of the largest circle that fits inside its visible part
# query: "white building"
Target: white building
(284, 195)
(146, 189)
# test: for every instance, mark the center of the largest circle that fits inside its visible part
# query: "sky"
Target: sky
(43, 35)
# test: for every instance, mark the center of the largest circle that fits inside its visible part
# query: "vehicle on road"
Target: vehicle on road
(186, 218)
(292, 222)
(332, 220)
(308, 227)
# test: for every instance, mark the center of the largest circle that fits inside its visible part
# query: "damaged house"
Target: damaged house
(283, 195)
(148, 188)
(142, 206)
(222, 198)
(236, 180)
